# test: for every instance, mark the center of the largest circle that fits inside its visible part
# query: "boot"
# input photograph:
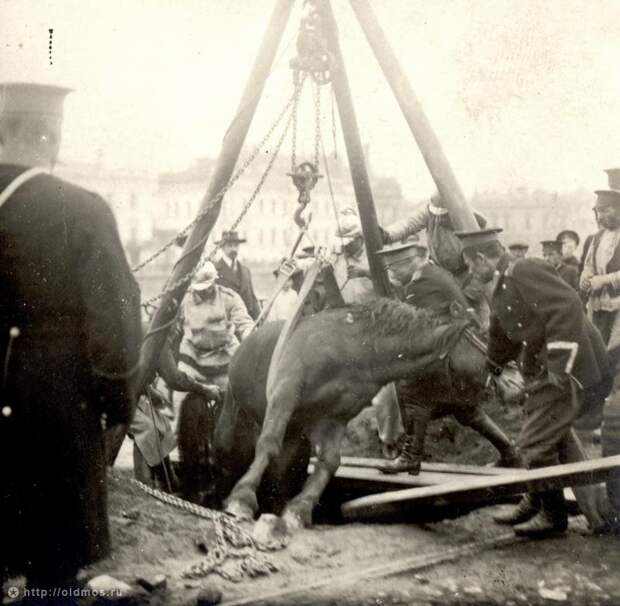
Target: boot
(408, 460)
(526, 509)
(552, 519)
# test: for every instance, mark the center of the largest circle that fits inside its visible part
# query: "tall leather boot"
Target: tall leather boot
(408, 460)
(526, 509)
(552, 519)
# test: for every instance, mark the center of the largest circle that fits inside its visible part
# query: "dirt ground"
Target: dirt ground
(337, 564)
(151, 538)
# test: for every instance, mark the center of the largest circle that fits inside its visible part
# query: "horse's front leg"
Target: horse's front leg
(480, 421)
(242, 500)
(326, 437)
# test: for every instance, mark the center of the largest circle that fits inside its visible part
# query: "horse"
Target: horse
(333, 364)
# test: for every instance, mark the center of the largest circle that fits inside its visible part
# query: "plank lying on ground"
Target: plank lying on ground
(391, 568)
(363, 475)
(484, 489)
(451, 468)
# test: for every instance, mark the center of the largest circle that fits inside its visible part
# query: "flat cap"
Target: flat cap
(401, 252)
(479, 237)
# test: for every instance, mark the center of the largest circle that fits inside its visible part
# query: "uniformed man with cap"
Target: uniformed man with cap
(552, 253)
(533, 310)
(69, 343)
(519, 249)
(444, 247)
(425, 285)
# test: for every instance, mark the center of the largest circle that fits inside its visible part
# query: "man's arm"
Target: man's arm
(111, 299)
(559, 307)
(407, 227)
(501, 349)
(239, 316)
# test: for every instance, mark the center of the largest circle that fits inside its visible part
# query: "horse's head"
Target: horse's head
(462, 349)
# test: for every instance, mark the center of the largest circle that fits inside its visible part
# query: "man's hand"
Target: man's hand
(510, 385)
(209, 391)
(598, 282)
(357, 272)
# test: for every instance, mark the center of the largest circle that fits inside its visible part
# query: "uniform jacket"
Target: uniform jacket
(444, 248)
(534, 310)
(241, 282)
(66, 285)
(569, 274)
(211, 330)
(433, 287)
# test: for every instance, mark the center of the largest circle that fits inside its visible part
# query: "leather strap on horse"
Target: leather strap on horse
(289, 327)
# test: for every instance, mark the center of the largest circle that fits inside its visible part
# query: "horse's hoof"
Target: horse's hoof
(240, 511)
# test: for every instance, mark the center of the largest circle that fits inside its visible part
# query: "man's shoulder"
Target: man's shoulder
(522, 267)
(228, 293)
(74, 197)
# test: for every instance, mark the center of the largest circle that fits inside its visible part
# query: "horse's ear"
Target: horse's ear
(457, 311)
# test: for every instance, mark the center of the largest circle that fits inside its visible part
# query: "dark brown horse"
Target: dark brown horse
(332, 366)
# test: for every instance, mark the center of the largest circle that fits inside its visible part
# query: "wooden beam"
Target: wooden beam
(233, 141)
(427, 141)
(468, 490)
(355, 152)
(229, 154)
(446, 468)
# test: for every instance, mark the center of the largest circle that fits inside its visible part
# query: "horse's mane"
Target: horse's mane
(386, 317)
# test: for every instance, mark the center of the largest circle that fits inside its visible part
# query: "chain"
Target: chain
(218, 197)
(317, 123)
(187, 277)
(299, 84)
(333, 123)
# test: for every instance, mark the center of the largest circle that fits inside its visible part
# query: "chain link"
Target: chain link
(218, 197)
(333, 122)
(317, 123)
(299, 84)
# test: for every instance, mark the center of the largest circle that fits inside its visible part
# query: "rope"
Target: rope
(232, 541)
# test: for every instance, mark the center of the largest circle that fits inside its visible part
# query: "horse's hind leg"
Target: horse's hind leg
(326, 437)
(479, 421)
(242, 500)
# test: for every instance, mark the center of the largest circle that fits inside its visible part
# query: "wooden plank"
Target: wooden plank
(449, 468)
(470, 490)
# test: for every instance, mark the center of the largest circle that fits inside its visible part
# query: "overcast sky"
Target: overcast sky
(520, 92)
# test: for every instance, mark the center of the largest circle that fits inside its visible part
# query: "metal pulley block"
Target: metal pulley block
(313, 54)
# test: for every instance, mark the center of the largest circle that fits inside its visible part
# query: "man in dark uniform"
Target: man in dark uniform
(552, 253)
(424, 285)
(534, 310)
(233, 274)
(69, 343)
